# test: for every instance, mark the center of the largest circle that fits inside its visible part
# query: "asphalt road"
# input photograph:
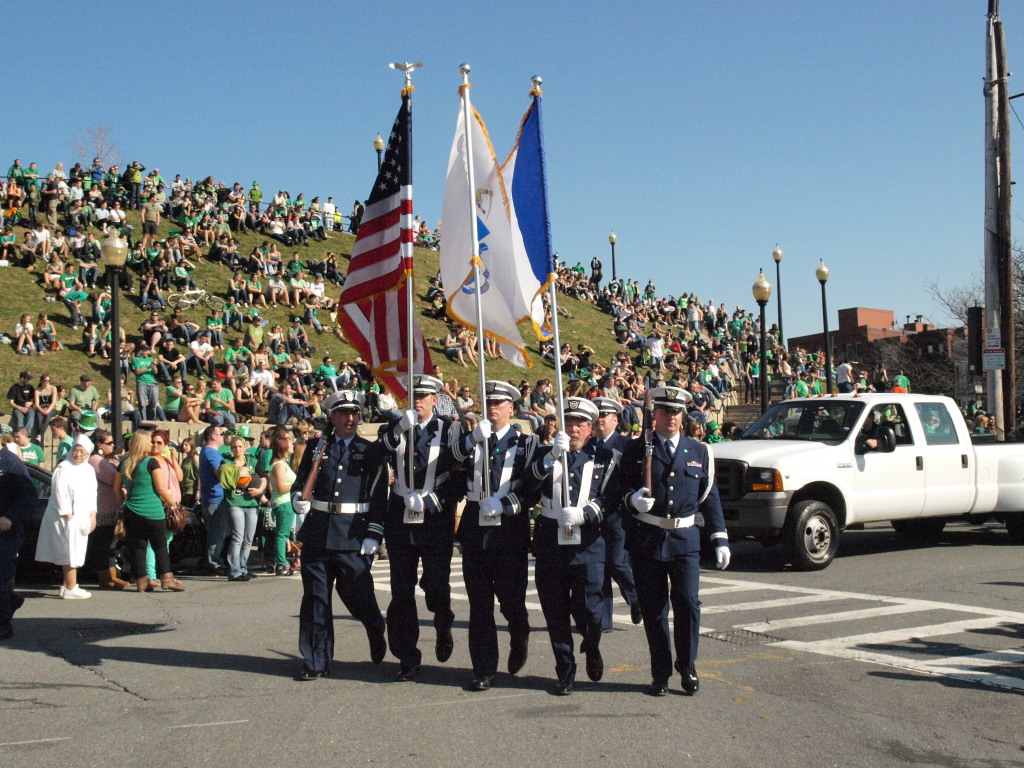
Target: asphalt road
(895, 655)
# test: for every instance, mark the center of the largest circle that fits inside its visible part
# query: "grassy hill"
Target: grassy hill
(23, 292)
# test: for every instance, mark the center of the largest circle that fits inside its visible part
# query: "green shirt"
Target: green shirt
(142, 367)
(217, 402)
(32, 454)
(231, 353)
(173, 399)
(327, 371)
(143, 499)
(64, 448)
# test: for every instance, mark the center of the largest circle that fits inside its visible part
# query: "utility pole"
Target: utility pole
(999, 306)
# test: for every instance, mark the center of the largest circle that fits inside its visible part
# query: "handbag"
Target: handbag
(177, 518)
(119, 532)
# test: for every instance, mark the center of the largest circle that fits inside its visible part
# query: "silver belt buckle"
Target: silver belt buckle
(335, 509)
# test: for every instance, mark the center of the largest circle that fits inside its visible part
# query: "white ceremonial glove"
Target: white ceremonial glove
(573, 516)
(490, 506)
(408, 421)
(722, 556)
(482, 431)
(414, 502)
(369, 547)
(641, 501)
(560, 445)
(299, 506)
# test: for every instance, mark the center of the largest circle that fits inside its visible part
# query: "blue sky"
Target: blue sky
(702, 133)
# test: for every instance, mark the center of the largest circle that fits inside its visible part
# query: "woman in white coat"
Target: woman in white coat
(70, 517)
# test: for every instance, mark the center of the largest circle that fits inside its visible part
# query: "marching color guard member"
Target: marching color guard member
(661, 538)
(340, 473)
(609, 444)
(419, 524)
(495, 534)
(567, 540)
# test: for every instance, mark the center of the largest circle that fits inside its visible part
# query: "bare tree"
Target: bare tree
(97, 141)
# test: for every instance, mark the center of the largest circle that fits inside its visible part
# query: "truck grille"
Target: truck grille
(730, 477)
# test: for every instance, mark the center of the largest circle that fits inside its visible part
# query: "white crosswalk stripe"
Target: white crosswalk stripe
(901, 648)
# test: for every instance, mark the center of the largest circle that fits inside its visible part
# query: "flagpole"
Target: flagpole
(410, 349)
(535, 92)
(467, 116)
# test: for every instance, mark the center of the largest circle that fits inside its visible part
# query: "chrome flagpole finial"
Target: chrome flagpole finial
(536, 81)
(408, 68)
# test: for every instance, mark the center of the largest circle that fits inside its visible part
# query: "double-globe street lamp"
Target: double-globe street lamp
(822, 274)
(113, 255)
(762, 290)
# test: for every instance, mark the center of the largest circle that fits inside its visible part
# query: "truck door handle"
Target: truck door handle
(963, 460)
(920, 462)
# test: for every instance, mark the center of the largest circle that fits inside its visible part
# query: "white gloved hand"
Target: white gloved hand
(299, 506)
(490, 506)
(482, 431)
(722, 556)
(560, 445)
(369, 547)
(408, 421)
(641, 501)
(573, 516)
(414, 502)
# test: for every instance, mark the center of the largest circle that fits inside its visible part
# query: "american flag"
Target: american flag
(373, 307)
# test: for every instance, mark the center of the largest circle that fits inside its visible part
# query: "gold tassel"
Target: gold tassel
(407, 91)
(536, 92)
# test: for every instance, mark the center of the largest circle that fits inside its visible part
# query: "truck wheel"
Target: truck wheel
(811, 537)
(1015, 527)
(927, 529)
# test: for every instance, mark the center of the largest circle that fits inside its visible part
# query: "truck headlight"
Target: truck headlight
(764, 479)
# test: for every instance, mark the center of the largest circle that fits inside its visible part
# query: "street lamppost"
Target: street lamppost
(777, 256)
(611, 239)
(822, 274)
(762, 292)
(378, 144)
(113, 255)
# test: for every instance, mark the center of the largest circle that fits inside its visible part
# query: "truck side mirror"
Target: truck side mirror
(886, 439)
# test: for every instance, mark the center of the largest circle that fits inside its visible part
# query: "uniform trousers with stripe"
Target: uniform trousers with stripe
(659, 584)
(570, 593)
(403, 620)
(348, 573)
(493, 574)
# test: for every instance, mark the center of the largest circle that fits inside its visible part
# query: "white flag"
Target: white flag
(499, 290)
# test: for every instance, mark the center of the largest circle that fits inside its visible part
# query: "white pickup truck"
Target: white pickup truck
(811, 467)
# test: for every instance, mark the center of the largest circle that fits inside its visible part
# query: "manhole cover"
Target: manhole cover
(742, 637)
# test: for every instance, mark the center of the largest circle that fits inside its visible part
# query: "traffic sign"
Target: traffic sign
(993, 359)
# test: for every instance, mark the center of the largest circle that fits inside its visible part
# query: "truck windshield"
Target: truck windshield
(821, 420)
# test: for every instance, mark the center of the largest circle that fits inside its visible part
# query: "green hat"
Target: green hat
(242, 430)
(87, 421)
(255, 183)
(713, 425)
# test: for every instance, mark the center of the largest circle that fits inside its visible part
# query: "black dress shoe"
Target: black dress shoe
(378, 646)
(444, 645)
(563, 687)
(634, 613)
(482, 683)
(407, 674)
(691, 683)
(517, 654)
(657, 688)
(307, 675)
(6, 630)
(595, 665)
(16, 601)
